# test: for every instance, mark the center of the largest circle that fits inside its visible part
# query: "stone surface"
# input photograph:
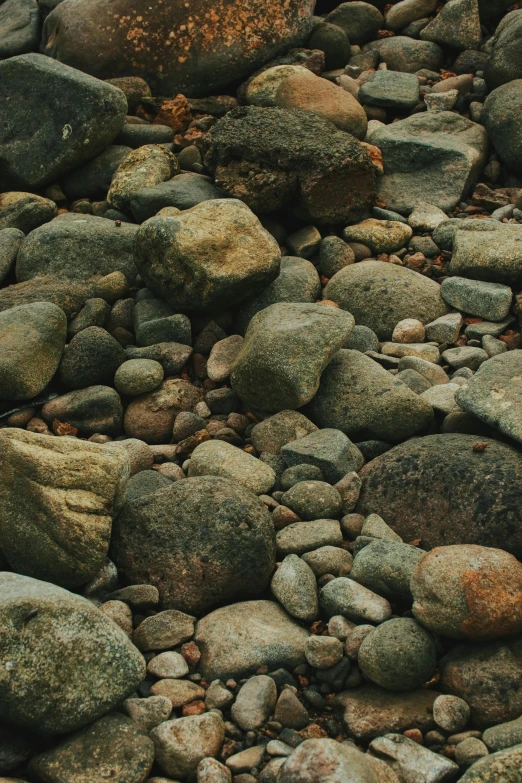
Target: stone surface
(490, 301)
(274, 432)
(359, 397)
(237, 639)
(449, 156)
(286, 348)
(218, 458)
(457, 25)
(294, 586)
(353, 601)
(504, 765)
(67, 485)
(25, 211)
(328, 761)
(504, 65)
(371, 711)
(223, 543)
(181, 744)
(386, 567)
(418, 488)
(19, 27)
(491, 254)
(410, 759)
(390, 88)
(328, 449)
(216, 249)
(64, 663)
(64, 120)
(255, 702)
(197, 60)
(379, 295)
(32, 339)
(143, 168)
(94, 410)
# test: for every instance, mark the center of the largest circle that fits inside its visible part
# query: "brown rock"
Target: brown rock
(371, 711)
(191, 48)
(151, 416)
(175, 113)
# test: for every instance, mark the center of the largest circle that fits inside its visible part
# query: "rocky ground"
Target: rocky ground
(260, 391)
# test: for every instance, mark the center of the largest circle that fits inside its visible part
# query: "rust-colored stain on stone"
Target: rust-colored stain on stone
(187, 47)
(493, 606)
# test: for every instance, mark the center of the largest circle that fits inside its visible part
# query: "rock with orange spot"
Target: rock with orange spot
(190, 47)
(468, 592)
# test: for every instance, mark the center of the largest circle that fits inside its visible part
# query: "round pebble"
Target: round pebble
(138, 376)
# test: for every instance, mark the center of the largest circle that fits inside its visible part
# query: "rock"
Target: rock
(294, 586)
(372, 712)
(334, 255)
(504, 61)
(407, 11)
(386, 568)
(244, 761)
(211, 771)
(428, 352)
(64, 120)
(222, 357)
(168, 665)
(465, 356)
(113, 746)
(219, 458)
(181, 744)
(325, 760)
(92, 357)
(457, 26)
(151, 416)
(333, 41)
(10, 241)
(77, 247)
(426, 217)
(418, 487)
(172, 356)
(286, 348)
(143, 168)
(445, 329)
(392, 89)
(138, 376)
(179, 692)
(379, 295)
(449, 157)
(399, 655)
(296, 87)
(197, 60)
(328, 449)
(451, 713)
(297, 281)
(237, 639)
(269, 157)
(19, 27)
(313, 500)
(94, 178)
(487, 676)
(214, 250)
(491, 254)
(94, 410)
(410, 760)
(66, 663)
(359, 397)
(353, 601)
(502, 736)
(402, 53)
(216, 532)
(468, 592)
(149, 712)
(276, 431)
(490, 301)
(499, 117)
(381, 236)
(255, 702)
(25, 211)
(290, 712)
(183, 191)
(505, 764)
(300, 537)
(360, 21)
(32, 339)
(67, 485)
(409, 331)
(322, 652)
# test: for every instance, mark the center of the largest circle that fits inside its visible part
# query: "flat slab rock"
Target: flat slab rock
(444, 491)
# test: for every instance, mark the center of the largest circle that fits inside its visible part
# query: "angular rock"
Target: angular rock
(276, 431)
(441, 490)
(490, 301)
(151, 416)
(163, 630)
(218, 458)
(286, 348)
(359, 397)
(269, 157)
(353, 601)
(183, 191)
(409, 759)
(145, 167)
(205, 52)
(397, 90)
(218, 534)
(217, 250)
(450, 152)
(237, 639)
(65, 119)
(493, 253)
(328, 449)
(19, 27)
(25, 211)
(32, 339)
(372, 712)
(386, 567)
(181, 744)
(457, 25)
(71, 490)
(64, 664)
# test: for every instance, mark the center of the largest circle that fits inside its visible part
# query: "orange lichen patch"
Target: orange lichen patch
(494, 600)
(175, 113)
(376, 157)
(62, 428)
(327, 302)
(385, 34)
(194, 708)
(313, 731)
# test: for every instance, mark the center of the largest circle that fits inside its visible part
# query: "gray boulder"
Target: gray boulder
(25, 211)
(359, 397)
(493, 253)
(64, 663)
(19, 27)
(501, 118)
(218, 458)
(66, 118)
(286, 348)
(504, 765)
(379, 295)
(505, 60)
(434, 157)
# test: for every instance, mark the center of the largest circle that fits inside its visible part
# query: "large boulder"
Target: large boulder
(63, 663)
(504, 765)
(77, 247)
(202, 542)
(32, 339)
(268, 157)
(193, 49)
(492, 253)
(328, 761)
(361, 398)
(501, 118)
(215, 253)
(286, 348)
(379, 295)
(433, 157)
(236, 640)
(443, 491)
(71, 490)
(19, 27)
(65, 119)
(505, 63)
